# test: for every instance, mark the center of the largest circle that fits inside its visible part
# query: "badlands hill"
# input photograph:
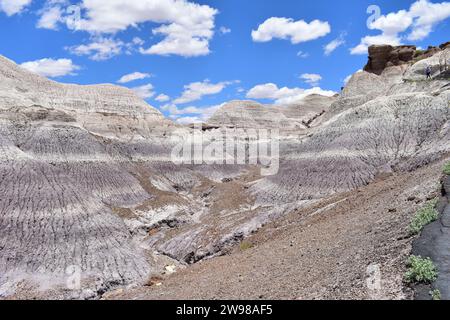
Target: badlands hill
(88, 184)
(293, 118)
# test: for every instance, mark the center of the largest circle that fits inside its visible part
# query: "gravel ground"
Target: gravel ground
(329, 251)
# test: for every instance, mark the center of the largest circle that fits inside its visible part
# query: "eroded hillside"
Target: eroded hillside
(88, 182)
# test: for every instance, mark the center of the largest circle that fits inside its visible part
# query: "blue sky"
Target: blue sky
(192, 56)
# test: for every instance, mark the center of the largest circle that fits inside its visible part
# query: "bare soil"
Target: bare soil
(325, 251)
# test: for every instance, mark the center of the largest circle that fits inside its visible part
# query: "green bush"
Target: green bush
(424, 216)
(447, 168)
(436, 294)
(245, 245)
(420, 270)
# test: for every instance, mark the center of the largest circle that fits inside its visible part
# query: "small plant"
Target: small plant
(154, 281)
(245, 245)
(424, 216)
(436, 294)
(420, 270)
(447, 168)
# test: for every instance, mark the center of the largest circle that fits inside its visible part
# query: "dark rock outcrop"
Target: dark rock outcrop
(445, 45)
(383, 56)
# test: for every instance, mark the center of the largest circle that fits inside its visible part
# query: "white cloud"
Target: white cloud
(189, 120)
(196, 90)
(51, 15)
(162, 98)
(186, 27)
(393, 23)
(99, 49)
(295, 31)
(133, 76)
(138, 41)
(145, 91)
(190, 114)
(12, 7)
(175, 111)
(284, 95)
(302, 54)
(427, 16)
(51, 68)
(224, 30)
(182, 46)
(367, 41)
(420, 20)
(311, 78)
(333, 45)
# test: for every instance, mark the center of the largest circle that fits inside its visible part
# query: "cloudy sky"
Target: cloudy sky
(186, 58)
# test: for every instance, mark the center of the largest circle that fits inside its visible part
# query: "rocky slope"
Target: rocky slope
(87, 180)
(292, 118)
(326, 251)
(64, 168)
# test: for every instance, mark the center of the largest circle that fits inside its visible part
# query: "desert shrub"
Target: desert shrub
(447, 168)
(153, 281)
(245, 245)
(420, 270)
(436, 294)
(424, 216)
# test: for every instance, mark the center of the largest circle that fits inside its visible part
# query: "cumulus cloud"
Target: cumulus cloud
(367, 41)
(333, 45)
(190, 114)
(133, 77)
(196, 90)
(185, 27)
(51, 15)
(284, 95)
(145, 91)
(179, 41)
(12, 7)
(51, 68)
(188, 120)
(427, 15)
(288, 29)
(99, 49)
(311, 78)
(162, 98)
(413, 24)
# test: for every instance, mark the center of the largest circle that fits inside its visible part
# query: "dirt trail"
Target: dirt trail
(328, 251)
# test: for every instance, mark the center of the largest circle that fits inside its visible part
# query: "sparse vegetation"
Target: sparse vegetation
(419, 52)
(447, 168)
(418, 56)
(153, 281)
(245, 245)
(436, 294)
(423, 217)
(420, 270)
